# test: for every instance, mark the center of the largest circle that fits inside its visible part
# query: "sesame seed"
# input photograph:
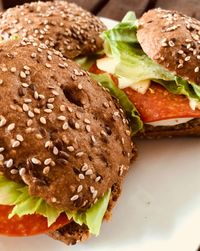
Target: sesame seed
(46, 170)
(11, 127)
(53, 199)
(106, 104)
(38, 136)
(27, 100)
(51, 100)
(29, 122)
(93, 139)
(89, 172)
(80, 87)
(36, 95)
(48, 144)
(84, 167)
(70, 148)
(81, 176)
(4, 69)
(1, 157)
(88, 128)
(128, 132)
(22, 74)
(43, 120)
(80, 154)
(97, 178)
(50, 106)
(36, 161)
(22, 171)
(69, 109)
(13, 69)
(48, 110)
(77, 126)
(87, 121)
(47, 161)
(54, 92)
(15, 144)
(79, 189)
(94, 194)
(9, 163)
(25, 85)
(14, 171)
(31, 114)
(55, 150)
(33, 55)
(180, 52)
(36, 110)
(171, 43)
(75, 197)
(2, 121)
(92, 189)
(62, 108)
(187, 58)
(27, 68)
(2, 149)
(1, 81)
(25, 107)
(61, 118)
(65, 126)
(196, 69)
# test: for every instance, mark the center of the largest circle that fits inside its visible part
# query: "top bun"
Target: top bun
(61, 133)
(172, 40)
(59, 24)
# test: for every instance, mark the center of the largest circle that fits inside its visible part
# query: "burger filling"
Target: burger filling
(16, 195)
(139, 76)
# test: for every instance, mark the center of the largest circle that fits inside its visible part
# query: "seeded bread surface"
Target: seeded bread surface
(61, 133)
(59, 24)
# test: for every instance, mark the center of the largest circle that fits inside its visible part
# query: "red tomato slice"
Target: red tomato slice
(28, 224)
(157, 103)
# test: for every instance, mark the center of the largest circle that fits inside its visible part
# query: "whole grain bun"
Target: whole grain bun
(59, 24)
(172, 40)
(61, 133)
(73, 233)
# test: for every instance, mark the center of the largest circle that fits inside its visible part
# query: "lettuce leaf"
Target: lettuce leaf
(15, 194)
(121, 44)
(132, 113)
(94, 215)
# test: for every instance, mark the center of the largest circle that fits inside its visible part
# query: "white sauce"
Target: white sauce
(169, 122)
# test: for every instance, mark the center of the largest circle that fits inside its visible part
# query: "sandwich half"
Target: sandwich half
(65, 145)
(155, 61)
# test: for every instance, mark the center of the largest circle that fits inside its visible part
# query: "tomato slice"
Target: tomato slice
(157, 103)
(27, 225)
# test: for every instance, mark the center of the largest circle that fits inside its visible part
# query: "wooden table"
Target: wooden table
(116, 9)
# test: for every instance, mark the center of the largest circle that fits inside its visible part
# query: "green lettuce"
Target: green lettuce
(121, 44)
(132, 113)
(15, 194)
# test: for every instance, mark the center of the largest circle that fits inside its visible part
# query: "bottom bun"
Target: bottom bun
(191, 128)
(73, 233)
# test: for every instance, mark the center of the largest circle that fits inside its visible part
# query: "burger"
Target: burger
(65, 145)
(58, 24)
(155, 64)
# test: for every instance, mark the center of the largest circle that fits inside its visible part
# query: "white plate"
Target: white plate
(159, 208)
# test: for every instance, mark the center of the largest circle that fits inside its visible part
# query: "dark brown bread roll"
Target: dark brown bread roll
(59, 24)
(60, 132)
(172, 40)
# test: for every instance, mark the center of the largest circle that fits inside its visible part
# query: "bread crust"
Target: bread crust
(73, 233)
(60, 132)
(191, 128)
(59, 24)
(172, 40)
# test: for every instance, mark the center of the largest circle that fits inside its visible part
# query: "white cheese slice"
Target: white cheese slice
(141, 86)
(170, 122)
(107, 64)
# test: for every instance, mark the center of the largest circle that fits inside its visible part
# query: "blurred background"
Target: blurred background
(116, 9)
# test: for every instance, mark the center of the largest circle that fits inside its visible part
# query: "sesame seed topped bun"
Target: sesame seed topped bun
(59, 24)
(172, 40)
(61, 133)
